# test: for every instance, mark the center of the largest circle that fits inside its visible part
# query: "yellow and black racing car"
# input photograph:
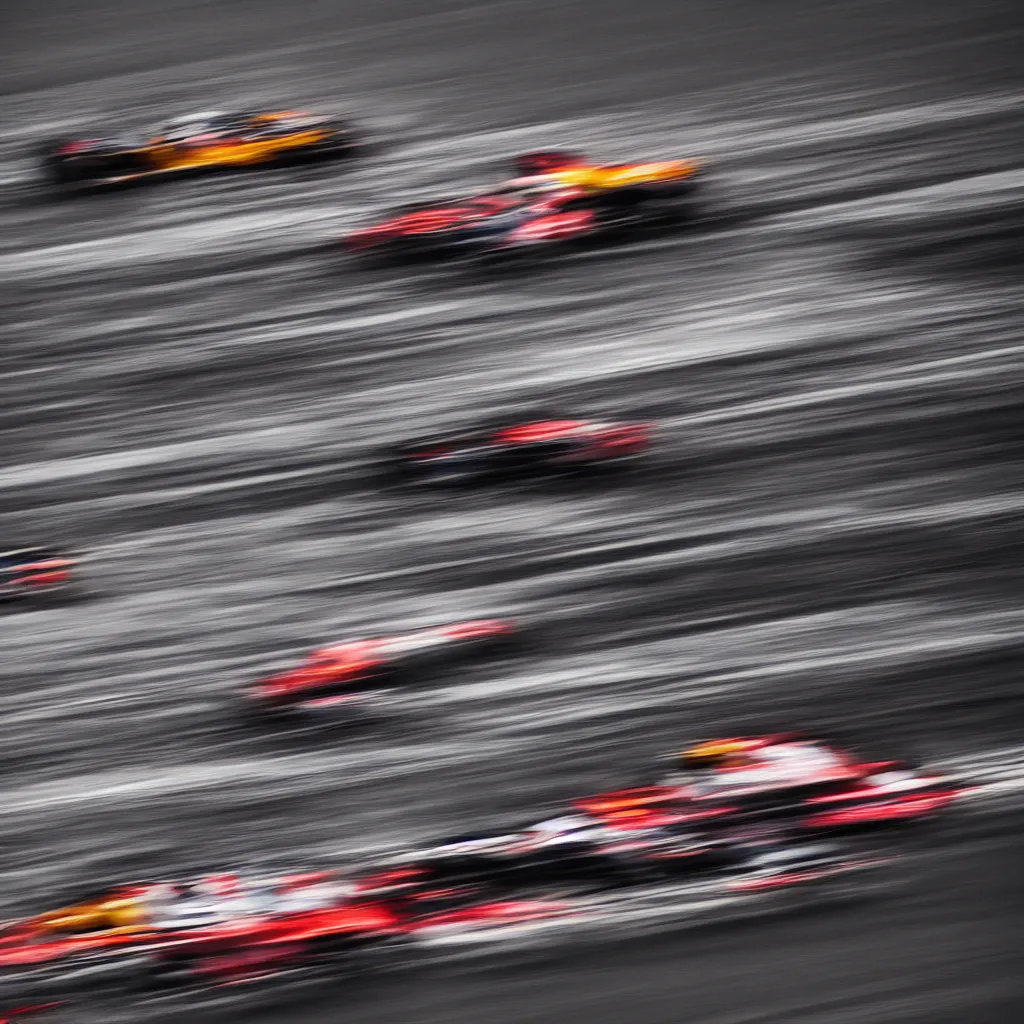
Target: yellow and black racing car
(198, 142)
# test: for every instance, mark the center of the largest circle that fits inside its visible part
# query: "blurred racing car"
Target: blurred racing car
(197, 142)
(572, 850)
(35, 572)
(18, 1014)
(346, 673)
(578, 855)
(517, 449)
(272, 943)
(559, 200)
(809, 782)
(109, 935)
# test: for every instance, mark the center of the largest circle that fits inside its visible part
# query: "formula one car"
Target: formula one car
(572, 850)
(107, 938)
(579, 855)
(560, 200)
(808, 782)
(518, 449)
(346, 673)
(35, 572)
(271, 943)
(197, 142)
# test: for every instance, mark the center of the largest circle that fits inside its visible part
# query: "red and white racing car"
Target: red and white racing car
(346, 672)
(808, 781)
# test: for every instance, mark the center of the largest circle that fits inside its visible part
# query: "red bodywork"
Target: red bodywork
(340, 672)
(583, 441)
(20, 1013)
(544, 218)
(431, 220)
(243, 949)
(596, 440)
(831, 789)
(125, 918)
(425, 907)
(35, 571)
(384, 907)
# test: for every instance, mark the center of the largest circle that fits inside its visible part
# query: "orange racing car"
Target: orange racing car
(197, 142)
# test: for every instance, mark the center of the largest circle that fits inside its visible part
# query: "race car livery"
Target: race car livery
(36, 571)
(807, 781)
(198, 142)
(519, 448)
(263, 945)
(636, 181)
(343, 673)
(146, 915)
(475, 227)
(561, 201)
(574, 855)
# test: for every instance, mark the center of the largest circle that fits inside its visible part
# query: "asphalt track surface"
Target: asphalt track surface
(193, 379)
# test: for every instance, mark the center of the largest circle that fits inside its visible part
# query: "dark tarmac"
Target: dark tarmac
(193, 379)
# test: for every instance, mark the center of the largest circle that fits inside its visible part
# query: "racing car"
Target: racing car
(108, 937)
(812, 783)
(546, 866)
(36, 572)
(515, 449)
(558, 200)
(349, 672)
(570, 849)
(197, 142)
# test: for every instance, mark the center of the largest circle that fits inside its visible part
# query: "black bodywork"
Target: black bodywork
(597, 859)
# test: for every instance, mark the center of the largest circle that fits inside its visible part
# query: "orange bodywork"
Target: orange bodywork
(112, 921)
(226, 152)
(607, 178)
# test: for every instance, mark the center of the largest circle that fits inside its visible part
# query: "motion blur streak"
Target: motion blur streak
(192, 376)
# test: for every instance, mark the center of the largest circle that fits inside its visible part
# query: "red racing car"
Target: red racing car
(36, 572)
(561, 199)
(805, 781)
(346, 673)
(512, 450)
(220, 923)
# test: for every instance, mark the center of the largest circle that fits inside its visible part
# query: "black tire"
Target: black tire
(622, 214)
(318, 152)
(60, 173)
(161, 975)
(509, 260)
(378, 257)
(401, 469)
(255, 712)
(90, 168)
(397, 469)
